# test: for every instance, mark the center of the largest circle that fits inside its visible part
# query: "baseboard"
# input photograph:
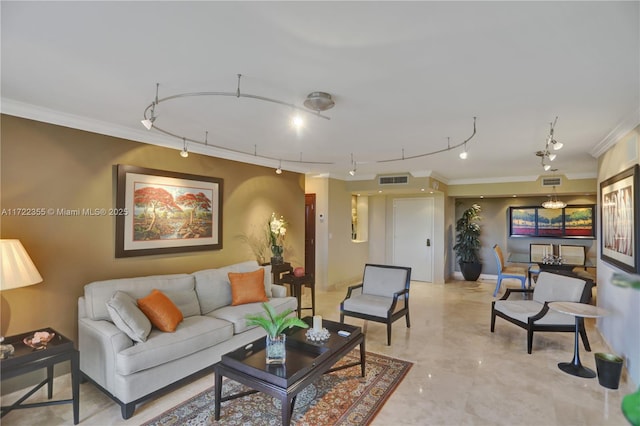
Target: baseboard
(457, 275)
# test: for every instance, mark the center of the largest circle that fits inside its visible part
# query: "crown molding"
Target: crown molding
(627, 124)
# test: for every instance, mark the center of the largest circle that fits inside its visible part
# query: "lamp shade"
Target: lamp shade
(18, 269)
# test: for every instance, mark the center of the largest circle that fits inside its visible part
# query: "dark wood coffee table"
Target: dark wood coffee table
(306, 361)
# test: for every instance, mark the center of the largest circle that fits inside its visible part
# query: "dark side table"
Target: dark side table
(26, 359)
(296, 284)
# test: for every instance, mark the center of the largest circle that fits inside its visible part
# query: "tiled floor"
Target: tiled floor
(463, 373)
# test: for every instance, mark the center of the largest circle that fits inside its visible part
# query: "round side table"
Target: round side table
(578, 310)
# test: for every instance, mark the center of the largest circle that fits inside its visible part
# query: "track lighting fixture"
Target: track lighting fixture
(551, 143)
(184, 153)
(315, 103)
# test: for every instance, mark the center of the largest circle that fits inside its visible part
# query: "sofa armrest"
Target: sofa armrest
(278, 290)
(99, 342)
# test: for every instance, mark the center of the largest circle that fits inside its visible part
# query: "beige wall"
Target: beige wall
(339, 260)
(346, 258)
(620, 328)
(495, 228)
(43, 165)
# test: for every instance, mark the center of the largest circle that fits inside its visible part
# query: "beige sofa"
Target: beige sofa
(132, 371)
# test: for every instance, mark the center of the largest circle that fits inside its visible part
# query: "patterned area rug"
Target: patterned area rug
(339, 398)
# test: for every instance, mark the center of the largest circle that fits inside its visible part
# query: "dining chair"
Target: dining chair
(514, 272)
(537, 253)
(572, 254)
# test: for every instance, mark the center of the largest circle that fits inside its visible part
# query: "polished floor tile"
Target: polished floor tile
(462, 374)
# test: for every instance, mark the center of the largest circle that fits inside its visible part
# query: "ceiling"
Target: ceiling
(407, 78)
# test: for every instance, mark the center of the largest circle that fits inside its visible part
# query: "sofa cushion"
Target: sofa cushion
(98, 293)
(237, 315)
(126, 315)
(369, 304)
(247, 287)
(192, 335)
(214, 289)
(161, 311)
(186, 301)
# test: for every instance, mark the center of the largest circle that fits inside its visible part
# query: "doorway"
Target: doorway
(310, 233)
(413, 236)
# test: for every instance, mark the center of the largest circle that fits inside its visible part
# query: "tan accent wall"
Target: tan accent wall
(50, 166)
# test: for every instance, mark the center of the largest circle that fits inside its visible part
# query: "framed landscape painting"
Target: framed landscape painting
(618, 201)
(166, 212)
(576, 221)
(522, 221)
(550, 222)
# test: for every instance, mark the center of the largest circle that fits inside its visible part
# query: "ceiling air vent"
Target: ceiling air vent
(551, 181)
(393, 180)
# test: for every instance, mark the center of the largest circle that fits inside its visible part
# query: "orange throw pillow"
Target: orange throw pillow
(247, 287)
(161, 311)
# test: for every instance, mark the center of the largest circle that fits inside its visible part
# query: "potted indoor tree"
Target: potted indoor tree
(275, 324)
(468, 243)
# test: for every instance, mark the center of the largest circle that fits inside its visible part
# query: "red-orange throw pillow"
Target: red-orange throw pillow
(247, 287)
(161, 311)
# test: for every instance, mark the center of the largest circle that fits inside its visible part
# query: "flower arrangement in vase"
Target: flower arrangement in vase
(277, 231)
(275, 324)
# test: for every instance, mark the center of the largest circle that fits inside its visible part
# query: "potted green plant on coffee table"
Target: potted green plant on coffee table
(275, 324)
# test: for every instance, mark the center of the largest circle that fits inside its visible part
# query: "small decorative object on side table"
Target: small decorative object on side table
(42, 349)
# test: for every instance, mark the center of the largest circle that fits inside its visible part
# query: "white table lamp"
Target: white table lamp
(17, 271)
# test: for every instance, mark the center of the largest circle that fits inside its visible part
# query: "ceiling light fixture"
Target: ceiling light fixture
(148, 122)
(315, 103)
(279, 169)
(553, 202)
(319, 101)
(352, 172)
(184, 153)
(297, 122)
(463, 155)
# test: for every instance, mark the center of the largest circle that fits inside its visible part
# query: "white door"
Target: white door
(413, 236)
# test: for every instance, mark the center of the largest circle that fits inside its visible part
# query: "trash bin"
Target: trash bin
(609, 368)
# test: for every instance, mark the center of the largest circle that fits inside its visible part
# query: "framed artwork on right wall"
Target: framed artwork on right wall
(619, 220)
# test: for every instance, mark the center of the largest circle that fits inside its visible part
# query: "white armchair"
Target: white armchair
(383, 296)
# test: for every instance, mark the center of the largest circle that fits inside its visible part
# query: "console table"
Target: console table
(578, 310)
(26, 359)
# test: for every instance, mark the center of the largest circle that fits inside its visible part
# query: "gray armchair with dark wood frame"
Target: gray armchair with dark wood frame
(535, 314)
(383, 296)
